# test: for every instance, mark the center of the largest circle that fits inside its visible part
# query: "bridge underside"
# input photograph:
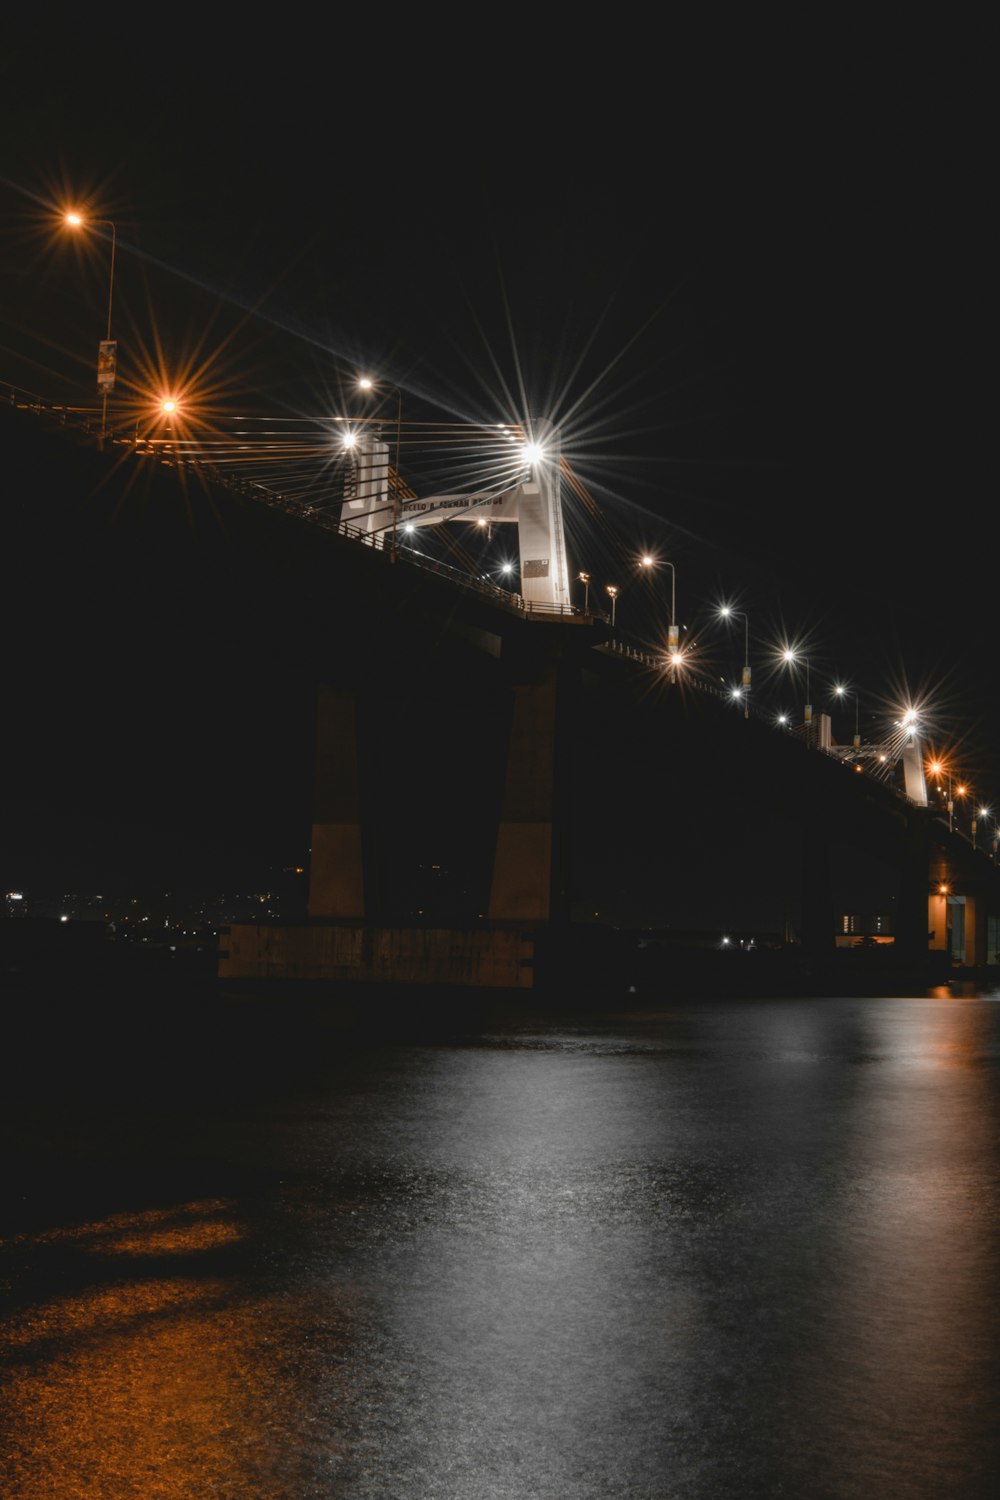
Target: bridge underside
(560, 794)
(464, 768)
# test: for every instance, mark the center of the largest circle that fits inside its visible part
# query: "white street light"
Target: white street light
(792, 657)
(727, 612)
(585, 580)
(365, 383)
(107, 350)
(612, 593)
(978, 813)
(673, 629)
(840, 691)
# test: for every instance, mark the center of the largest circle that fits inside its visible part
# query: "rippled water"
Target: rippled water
(703, 1250)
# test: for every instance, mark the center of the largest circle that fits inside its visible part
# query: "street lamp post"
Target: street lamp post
(366, 383)
(673, 629)
(808, 709)
(951, 807)
(961, 791)
(585, 580)
(978, 813)
(107, 350)
(840, 691)
(612, 592)
(938, 770)
(727, 612)
(790, 656)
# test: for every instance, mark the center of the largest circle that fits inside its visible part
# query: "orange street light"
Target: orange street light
(107, 352)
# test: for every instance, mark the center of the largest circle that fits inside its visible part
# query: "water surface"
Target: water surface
(699, 1250)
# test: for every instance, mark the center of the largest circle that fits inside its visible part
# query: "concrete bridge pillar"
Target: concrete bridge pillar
(336, 859)
(526, 884)
(912, 918)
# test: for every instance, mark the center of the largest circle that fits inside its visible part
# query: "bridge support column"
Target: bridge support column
(336, 860)
(525, 861)
(912, 919)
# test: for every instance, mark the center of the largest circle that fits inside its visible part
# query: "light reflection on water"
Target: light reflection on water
(718, 1249)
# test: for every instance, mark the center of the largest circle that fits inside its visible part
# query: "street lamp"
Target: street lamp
(960, 791)
(365, 383)
(789, 656)
(981, 812)
(673, 629)
(937, 770)
(727, 612)
(107, 349)
(585, 580)
(612, 593)
(840, 691)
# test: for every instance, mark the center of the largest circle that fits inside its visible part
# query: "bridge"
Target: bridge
(578, 754)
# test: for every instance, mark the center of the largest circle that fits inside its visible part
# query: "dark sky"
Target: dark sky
(749, 276)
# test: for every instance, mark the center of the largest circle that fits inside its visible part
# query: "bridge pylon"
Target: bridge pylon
(521, 486)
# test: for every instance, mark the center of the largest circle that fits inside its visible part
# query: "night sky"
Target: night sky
(750, 284)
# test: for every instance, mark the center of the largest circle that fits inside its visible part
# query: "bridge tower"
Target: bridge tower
(522, 486)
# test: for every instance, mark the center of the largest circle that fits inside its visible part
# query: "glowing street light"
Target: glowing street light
(727, 612)
(161, 414)
(981, 813)
(107, 350)
(790, 656)
(585, 580)
(365, 383)
(937, 770)
(673, 629)
(960, 791)
(612, 592)
(840, 691)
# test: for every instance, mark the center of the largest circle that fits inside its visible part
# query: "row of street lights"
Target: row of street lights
(790, 655)
(961, 790)
(106, 376)
(106, 370)
(108, 348)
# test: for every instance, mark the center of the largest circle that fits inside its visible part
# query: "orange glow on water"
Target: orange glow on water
(171, 1386)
